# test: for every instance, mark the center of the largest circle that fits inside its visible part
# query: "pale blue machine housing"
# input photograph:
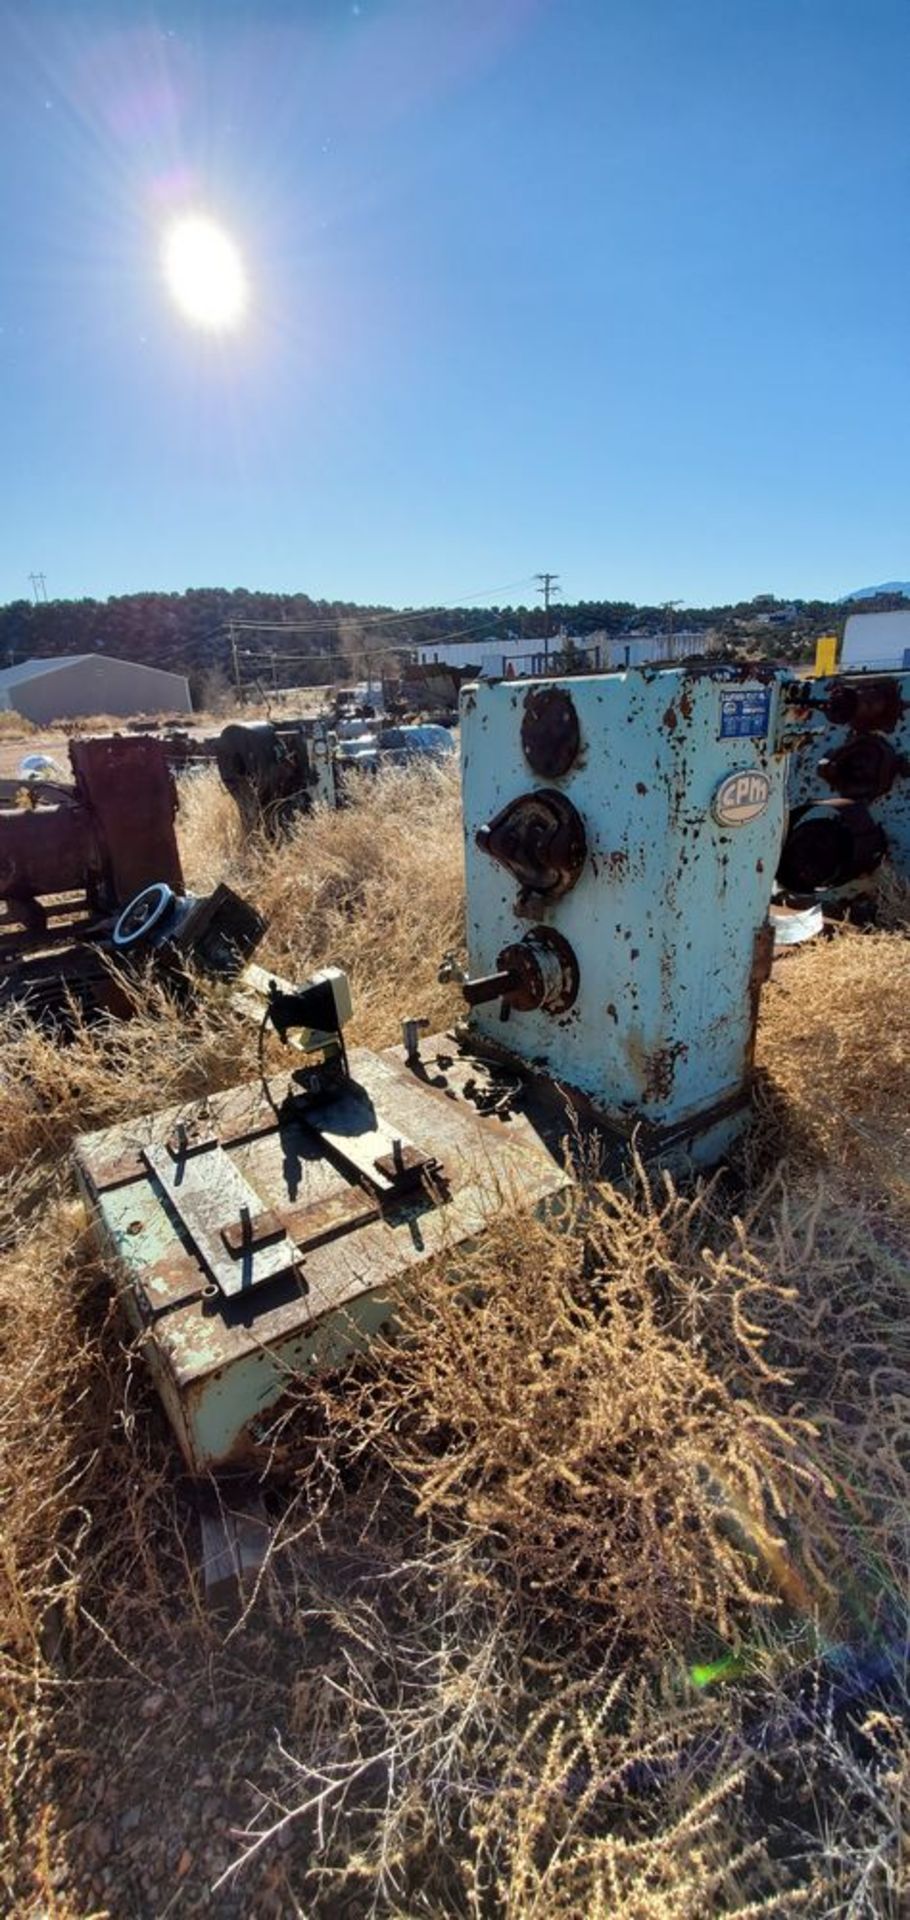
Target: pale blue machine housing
(622, 835)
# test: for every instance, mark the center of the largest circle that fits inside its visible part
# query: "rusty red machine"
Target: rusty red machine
(90, 870)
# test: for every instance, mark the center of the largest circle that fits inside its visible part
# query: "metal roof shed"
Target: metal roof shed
(72, 686)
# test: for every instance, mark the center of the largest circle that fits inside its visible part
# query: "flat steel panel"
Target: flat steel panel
(208, 1194)
(221, 1363)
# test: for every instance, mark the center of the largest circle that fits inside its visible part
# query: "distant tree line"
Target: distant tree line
(213, 633)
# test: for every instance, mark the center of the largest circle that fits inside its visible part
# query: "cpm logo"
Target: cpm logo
(741, 797)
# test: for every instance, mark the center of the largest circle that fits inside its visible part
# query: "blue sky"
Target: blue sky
(619, 288)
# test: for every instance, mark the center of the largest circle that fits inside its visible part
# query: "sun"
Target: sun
(204, 272)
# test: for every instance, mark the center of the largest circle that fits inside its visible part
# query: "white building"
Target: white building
(877, 640)
(76, 685)
(601, 651)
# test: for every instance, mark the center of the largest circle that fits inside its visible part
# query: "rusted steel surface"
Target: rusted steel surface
(221, 1362)
(256, 1230)
(407, 1167)
(331, 1218)
(542, 970)
(849, 736)
(208, 1194)
(550, 731)
(172, 1281)
(662, 910)
(539, 838)
(864, 768)
(351, 1129)
(101, 840)
(868, 705)
(129, 791)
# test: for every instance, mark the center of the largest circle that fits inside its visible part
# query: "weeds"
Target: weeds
(557, 1580)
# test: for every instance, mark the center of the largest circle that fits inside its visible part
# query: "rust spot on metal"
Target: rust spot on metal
(322, 1220)
(259, 1230)
(617, 863)
(640, 787)
(660, 1070)
(542, 972)
(669, 719)
(685, 704)
(866, 705)
(759, 972)
(406, 1166)
(172, 1281)
(108, 1174)
(864, 768)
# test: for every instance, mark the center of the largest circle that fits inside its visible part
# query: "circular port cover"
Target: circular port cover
(550, 733)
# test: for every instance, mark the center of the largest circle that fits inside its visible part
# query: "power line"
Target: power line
(550, 584)
(333, 621)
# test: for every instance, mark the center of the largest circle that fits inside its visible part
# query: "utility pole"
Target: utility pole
(234, 657)
(550, 585)
(668, 607)
(38, 587)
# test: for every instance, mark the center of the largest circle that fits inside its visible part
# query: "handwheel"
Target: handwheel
(143, 914)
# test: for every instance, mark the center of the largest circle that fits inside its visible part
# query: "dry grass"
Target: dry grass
(13, 726)
(670, 1430)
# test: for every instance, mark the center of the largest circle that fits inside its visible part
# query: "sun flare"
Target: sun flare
(204, 272)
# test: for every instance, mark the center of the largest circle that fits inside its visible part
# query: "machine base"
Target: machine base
(256, 1241)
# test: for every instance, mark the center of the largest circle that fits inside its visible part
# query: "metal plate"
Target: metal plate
(221, 1363)
(350, 1127)
(207, 1192)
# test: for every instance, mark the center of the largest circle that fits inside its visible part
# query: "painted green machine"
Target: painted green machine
(259, 1234)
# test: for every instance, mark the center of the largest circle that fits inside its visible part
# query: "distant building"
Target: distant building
(76, 685)
(877, 640)
(494, 657)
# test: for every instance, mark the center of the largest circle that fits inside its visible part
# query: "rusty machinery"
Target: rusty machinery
(274, 769)
(261, 1233)
(622, 838)
(74, 857)
(621, 835)
(848, 789)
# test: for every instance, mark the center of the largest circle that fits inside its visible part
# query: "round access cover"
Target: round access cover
(829, 844)
(550, 733)
(863, 768)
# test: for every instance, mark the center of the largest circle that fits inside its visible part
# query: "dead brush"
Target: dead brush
(14, 726)
(560, 1404)
(382, 876)
(506, 1537)
(834, 1050)
(54, 1086)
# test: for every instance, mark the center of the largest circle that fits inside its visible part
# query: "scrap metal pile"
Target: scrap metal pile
(90, 875)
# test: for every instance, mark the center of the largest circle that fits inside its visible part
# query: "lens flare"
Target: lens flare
(205, 273)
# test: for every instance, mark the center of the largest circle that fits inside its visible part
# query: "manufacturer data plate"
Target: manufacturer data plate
(745, 715)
